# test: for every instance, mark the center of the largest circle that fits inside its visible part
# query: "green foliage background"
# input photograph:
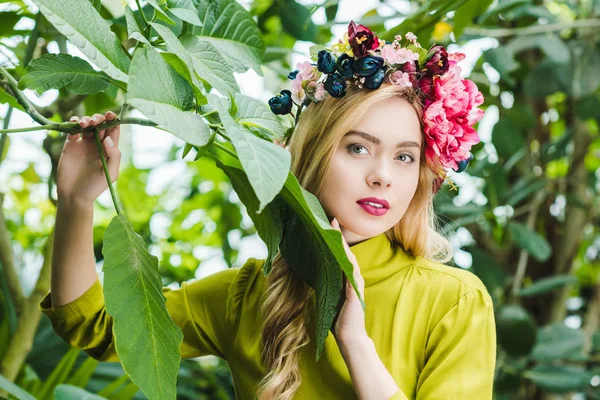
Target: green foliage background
(531, 227)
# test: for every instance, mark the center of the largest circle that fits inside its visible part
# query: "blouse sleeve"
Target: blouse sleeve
(198, 307)
(461, 352)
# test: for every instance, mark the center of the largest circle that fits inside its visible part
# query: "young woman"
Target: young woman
(428, 331)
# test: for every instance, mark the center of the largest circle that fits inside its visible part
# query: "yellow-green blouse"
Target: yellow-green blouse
(433, 327)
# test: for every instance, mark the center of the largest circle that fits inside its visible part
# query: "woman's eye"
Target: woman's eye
(411, 158)
(355, 146)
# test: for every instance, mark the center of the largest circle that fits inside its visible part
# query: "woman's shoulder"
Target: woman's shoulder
(455, 280)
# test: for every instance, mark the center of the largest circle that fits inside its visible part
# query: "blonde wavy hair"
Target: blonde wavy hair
(287, 302)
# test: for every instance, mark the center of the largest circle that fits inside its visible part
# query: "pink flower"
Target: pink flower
(397, 56)
(316, 91)
(411, 37)
(400, 78)
(449, 119)
(298, 94)
(307, 72)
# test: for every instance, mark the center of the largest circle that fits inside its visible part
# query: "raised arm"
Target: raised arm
(80, 181)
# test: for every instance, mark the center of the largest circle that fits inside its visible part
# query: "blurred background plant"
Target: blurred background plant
(525, 219)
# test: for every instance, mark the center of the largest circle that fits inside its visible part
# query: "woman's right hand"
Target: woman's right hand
(80, 176)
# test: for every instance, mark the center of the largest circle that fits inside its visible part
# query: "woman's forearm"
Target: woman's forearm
(370, 377)
(73, 264)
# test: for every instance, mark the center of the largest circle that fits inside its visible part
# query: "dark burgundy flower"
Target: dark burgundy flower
(411, 68)
(361, 39)
(437, 61)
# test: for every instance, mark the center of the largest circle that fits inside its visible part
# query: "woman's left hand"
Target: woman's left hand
(350, 323)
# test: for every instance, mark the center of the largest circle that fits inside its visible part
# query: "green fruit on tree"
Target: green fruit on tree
(517, 332)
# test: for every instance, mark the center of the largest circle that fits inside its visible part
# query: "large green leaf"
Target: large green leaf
(466, 14)
(175, 47)
(557, 342)
(559, 378)
(184, 10)
(86, 29)
(68, 392)
(312, 248)
(6, 98)
(253, 113)
(156, 5)
(268, 223)
(529, 240)
(57, 71)
(210, 64)
(507, 137)
(161, 94)
(266, 164)
(147, 340)
(546, 285)
(15, 390)
(296, 20)
(59, 374)
(422, 22)
(232, 30)
(134, 31)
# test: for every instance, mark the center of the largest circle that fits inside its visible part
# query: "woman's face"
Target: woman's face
(379, 159)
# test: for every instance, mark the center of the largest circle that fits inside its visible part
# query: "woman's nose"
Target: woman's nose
(380, 176)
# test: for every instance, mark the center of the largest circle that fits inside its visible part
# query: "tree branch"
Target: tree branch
(8, 264)
(531, 30)
(536, 202)
(73, 127)
(21, 341)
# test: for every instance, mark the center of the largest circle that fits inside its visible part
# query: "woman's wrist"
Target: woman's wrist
(357, 344)
(74, 204)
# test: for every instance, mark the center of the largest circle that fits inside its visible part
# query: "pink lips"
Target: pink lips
(377, 211)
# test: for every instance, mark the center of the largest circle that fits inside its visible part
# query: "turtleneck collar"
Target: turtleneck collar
(378, 259)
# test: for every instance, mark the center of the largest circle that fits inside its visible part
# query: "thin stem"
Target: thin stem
(124, 108)
(4, 138)
(73, 127)
(141, 12)
(225, 149)
(223, 135)
(117, 84)
(105, 167)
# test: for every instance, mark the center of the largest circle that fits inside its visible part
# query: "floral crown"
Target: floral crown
(361, 58)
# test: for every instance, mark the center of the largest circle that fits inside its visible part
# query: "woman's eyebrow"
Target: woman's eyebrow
(373, 139)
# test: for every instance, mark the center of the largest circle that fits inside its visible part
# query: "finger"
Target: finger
(110, 148)
(73, 137)
(74, 118)
(113, 158)
(84, 122)
(97, 119)
(109, 116)
(114, 133)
